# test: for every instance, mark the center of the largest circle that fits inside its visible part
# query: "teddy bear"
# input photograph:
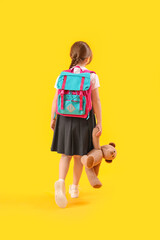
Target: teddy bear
(93, 159)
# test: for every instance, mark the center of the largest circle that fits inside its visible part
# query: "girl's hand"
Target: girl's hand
(99, 127)
(53, 123)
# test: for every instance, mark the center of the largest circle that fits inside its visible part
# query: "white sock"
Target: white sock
(61, 179)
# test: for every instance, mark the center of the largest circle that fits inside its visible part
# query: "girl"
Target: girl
(73, 135)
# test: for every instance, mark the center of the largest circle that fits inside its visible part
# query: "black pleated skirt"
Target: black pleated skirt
(73, 135)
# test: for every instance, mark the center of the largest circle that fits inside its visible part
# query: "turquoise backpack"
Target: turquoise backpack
(74, 93)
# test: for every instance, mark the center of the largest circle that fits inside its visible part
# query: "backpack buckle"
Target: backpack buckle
(62, 92)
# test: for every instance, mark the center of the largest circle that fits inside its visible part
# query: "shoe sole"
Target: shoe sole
(60, 197)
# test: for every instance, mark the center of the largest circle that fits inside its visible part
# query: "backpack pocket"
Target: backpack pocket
(71, 104)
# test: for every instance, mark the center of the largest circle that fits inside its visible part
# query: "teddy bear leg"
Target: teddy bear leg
(87, 161)
(94, 181)
(96, 169)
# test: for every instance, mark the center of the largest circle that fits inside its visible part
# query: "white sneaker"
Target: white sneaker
(60, 194)
(74, 191)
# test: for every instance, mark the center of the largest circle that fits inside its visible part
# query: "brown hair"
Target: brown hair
(79, 52)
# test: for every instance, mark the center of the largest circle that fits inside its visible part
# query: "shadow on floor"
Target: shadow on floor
(43, 201)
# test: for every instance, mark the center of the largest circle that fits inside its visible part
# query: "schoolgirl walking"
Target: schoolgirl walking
(76, 110)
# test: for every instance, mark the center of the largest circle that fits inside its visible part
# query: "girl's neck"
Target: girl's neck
(81, 65)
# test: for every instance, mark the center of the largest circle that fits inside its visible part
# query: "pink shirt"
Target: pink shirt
(94, 78)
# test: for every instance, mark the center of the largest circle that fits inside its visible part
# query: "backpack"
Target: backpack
(74, 93)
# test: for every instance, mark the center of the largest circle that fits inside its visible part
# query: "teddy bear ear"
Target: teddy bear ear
(112, 144)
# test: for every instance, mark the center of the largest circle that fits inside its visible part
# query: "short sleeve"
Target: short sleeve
(56, 82)
(94, 81)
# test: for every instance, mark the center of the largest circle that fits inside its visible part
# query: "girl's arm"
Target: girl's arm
(54, 104)
(96, 103)
(53, 121)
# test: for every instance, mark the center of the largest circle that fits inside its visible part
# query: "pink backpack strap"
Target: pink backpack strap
(81, 71)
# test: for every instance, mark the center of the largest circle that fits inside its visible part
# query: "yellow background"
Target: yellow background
(36, 37)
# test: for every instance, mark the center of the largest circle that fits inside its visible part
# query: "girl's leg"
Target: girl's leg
(77, 169)
(60, 190)
(64, 166)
